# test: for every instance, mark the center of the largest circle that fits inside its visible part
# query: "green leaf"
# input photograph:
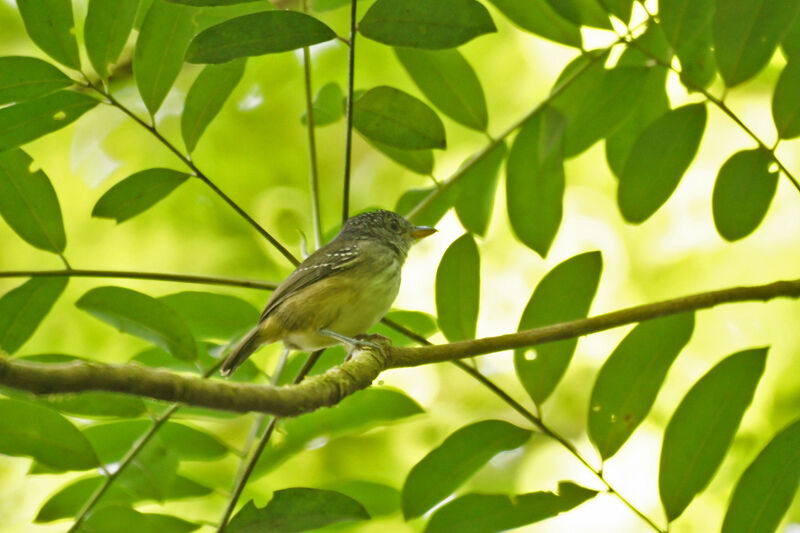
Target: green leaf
(481, 513)
(419, 161)
(158, 58)
(478, 187)
(95, 404)
(663, 151)
(611, 102)
(47, 437)
(684, 20)
(565, 293)
(743, 192)
(108, 24)
(535, 180)
(327, 106)
(367, 408)
(698, 64)
(785, 104)
(619, 8)
(137, 193)
(267, 32)
(377, 498)
(791, 41)
(653, 104)
(391, 116)
(210, 3)
(631, 377)
(449, 82)
(213, 316)
(28, 202)
(25, 78)
(70, 499)
(433, 210)
(22, 310)
(423, 24)
(297, 509)
(577, 83)
(113, 440)
(451, 463)
(540, 18)
(702, 429)
(27, 121)
(582, 12)
(746, 33)
(116, 518)
(458, 287)
(765, 491)
(50, 25)
(141, 315)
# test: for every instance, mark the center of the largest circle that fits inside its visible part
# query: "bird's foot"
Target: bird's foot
(371, 340)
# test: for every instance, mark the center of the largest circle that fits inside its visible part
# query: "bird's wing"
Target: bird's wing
(329, 260)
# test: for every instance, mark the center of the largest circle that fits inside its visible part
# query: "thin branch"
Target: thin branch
(129, 457)
(133, 274)
(247, 470)
(493, 143)
(312, 146)
(198, 173)
(722, 106)
(348, 140)
(316, 221)
(355, 374)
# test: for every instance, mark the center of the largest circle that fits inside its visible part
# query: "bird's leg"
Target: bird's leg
(353, 343)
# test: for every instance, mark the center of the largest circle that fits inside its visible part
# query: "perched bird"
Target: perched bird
(339, 291)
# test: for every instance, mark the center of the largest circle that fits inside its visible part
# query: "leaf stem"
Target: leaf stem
(348, 139)
(247, 468)
(186, 160)
(131, 274)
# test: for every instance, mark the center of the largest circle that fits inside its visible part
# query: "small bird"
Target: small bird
(339, 291)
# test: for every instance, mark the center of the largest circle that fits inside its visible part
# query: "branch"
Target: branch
(358, 373)
(348, 132)
(132, 274)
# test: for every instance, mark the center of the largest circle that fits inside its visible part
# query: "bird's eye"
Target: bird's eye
(394, 225)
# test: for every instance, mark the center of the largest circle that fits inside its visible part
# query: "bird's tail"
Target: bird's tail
(243, 349)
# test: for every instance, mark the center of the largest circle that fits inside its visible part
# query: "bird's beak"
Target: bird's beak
(419, 232)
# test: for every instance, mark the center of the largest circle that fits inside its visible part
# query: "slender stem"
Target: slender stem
(199, 173)
(247, 471)
(312, 146)
(64, 260)
(348, 143)
(131, 274)
(722, 106)
(478, 156)
(129, 457)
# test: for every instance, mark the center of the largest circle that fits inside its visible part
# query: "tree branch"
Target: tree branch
(358, 373)
(133, 274)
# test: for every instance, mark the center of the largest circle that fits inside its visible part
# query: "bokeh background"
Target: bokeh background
(256, 151)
